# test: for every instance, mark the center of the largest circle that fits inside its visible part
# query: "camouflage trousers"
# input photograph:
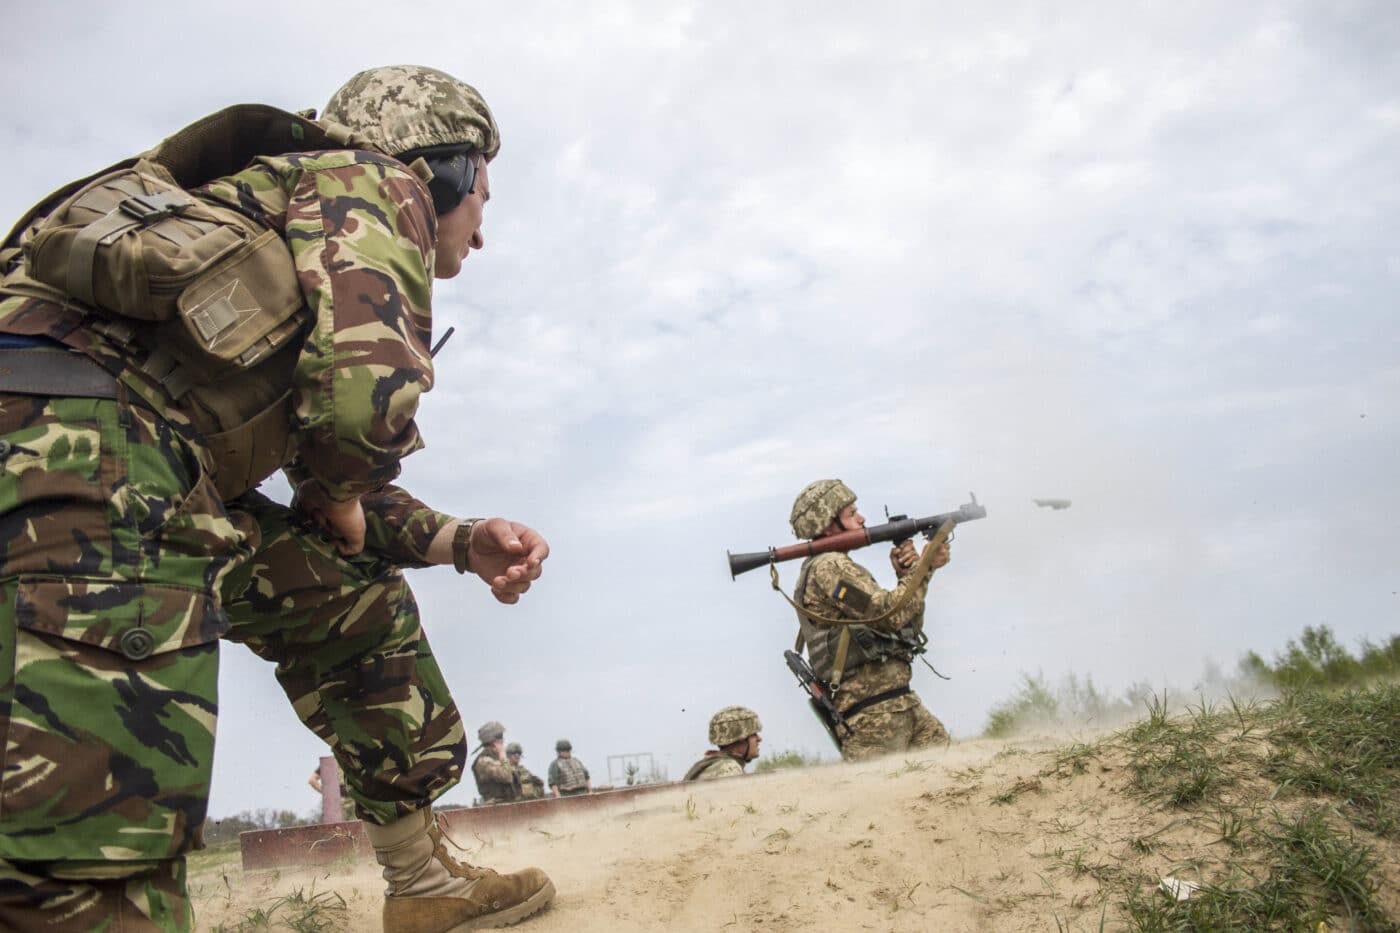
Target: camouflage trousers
(120, 572)
(899, 725)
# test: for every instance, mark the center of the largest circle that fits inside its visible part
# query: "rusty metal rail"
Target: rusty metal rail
(323, 843)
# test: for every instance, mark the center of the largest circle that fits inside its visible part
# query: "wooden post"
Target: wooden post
(330, 791)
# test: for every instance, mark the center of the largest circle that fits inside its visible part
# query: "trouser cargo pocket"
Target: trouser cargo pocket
(108, 697)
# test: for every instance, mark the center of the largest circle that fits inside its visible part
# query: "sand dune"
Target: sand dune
(985, 835)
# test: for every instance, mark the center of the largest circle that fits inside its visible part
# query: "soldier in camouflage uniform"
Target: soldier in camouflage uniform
(567, 775)
(734, 730)
(125, 561)
(531, 787)
(496, 780)
(872, 689)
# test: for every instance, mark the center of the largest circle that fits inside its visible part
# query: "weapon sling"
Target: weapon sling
(922, 570)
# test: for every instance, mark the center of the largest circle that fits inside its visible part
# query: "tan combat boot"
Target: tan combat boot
(431, 892)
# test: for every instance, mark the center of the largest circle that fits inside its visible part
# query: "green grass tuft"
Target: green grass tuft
(786, 759)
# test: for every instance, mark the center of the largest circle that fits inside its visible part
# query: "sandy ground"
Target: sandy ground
(909, 843)
(985, 835)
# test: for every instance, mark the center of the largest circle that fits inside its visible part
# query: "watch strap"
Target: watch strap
(461, 544)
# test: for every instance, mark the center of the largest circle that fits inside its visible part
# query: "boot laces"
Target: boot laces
(458, 869)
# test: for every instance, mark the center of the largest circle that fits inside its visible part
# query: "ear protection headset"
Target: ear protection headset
(454, 174)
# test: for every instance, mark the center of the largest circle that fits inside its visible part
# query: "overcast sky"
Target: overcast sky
(1144, 256)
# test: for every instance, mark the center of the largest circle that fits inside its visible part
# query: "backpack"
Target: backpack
(210, 291)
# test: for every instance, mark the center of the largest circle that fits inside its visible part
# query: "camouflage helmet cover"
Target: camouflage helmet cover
(733, 724)
(398, 108)
(817, 505)
(491, 731)
(563, 745)
(514, 749)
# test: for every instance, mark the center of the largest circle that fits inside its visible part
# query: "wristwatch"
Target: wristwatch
(461, 544)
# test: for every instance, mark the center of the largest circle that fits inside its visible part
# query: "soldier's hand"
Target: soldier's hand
(942, 555)
(343, 522)
(903, 557)
(507, 556)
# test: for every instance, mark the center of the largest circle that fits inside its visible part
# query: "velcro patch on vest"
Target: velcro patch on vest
(847, 594)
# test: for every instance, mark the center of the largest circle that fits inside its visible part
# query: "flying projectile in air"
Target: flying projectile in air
(1055, 504)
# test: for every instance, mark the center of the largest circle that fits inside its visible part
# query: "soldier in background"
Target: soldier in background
(496, 780)
(567, 775)
(734, 730)
(871, 689)
(531, 787)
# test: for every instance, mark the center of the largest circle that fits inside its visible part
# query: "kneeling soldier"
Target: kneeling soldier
(734, 730)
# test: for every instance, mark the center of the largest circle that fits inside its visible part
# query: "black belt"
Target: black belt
(61, 373)
(868, 702)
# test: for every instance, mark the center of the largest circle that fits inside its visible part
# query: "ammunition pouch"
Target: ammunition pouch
(210, 290)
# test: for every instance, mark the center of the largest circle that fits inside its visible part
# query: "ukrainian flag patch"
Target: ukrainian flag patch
(852, 596)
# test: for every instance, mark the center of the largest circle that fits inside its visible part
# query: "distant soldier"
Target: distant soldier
(567, 775)
(734, 730)
(866, 666)
(496, 780)
(531, 787)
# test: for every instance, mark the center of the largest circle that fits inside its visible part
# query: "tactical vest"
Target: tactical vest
(708, 762)
(229, 367)
(569, 775)
(868, 645)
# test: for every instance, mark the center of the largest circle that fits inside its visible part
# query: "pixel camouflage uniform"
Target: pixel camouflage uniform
(833, 585)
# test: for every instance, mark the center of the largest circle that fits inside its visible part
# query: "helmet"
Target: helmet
(817, 505)
(399, 108)
(514, 749)
(563, 745)
(733, 724)
(490, 732)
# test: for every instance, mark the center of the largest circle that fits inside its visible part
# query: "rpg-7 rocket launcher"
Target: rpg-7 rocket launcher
(896, 529)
